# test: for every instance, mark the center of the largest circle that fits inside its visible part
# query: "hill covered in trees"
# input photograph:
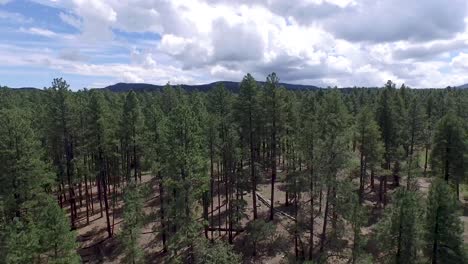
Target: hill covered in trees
(230, 86)
(253, 172)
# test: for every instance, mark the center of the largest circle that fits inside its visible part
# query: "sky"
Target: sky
(344, 43)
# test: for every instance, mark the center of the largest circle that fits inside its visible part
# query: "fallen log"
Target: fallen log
(224, 229)
(268, 204)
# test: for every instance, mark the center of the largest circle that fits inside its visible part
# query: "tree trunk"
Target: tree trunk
(99, 189)
(361, 177)
(296, 223)
(385, 191)
(106, 203)
(273, 165)
(211, 188)
(219, 201)
(87, 198)
(435, 244)
(59, 194)
(80, 194)
(162, 213)
(311, 226)
(447, 163)
(425, 160)
(252, 169)
(398, 254)
(325, 220)
(381, 189)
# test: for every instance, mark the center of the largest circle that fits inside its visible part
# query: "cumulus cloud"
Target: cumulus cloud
(72, 55)
(131, 77)
(38, 31)
(142, 58)
(427, 51)
(70, 20)
(392, 20)
(460, 61)
(236, 42)
(14, 17)
(322, 42)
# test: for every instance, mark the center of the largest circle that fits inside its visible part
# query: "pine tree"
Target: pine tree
(369, 144)
(443, 228)
(428, 129)
(132, 126)
(36, 228)
(399, 232)
(354, 213)
(309, 137)
(415, 126)
(332, 154)
(247, 116)
(386, 117)
(132, 223)
(61, 139)
(259, 231)
(22, 174)
(100, 139)
(215, 253)
(274, 110)
(220, 107)
(449, 148)
(57, 243)
(155, 135)
(187, 179)
(21, 243)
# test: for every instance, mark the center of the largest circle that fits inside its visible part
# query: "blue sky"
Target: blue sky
(94, 43)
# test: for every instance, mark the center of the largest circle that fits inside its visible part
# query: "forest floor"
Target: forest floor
(96, 247)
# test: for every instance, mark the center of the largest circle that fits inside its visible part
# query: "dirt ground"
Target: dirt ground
(95, 247)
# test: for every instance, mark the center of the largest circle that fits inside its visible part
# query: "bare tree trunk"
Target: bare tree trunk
(219, 200)
(162, 212)
(312, 218)
(212, 188)
(252, 169)
(91, 198)
(296, 233)
(273, 165)
(103, 190)
(80, 194)
(361, 177)
(99, 189)
(385, 191)
(325, 220)
(87, 198)
(425, 160)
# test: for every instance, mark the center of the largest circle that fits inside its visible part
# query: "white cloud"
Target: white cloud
(131, 77)
(323, 42)
(38, 31)
(14, 17)
(460, 61)
(174, 45)
(219, 71)
(142, 58)
(71, 20)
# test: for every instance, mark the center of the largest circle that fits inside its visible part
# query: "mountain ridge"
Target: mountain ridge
(229, 85)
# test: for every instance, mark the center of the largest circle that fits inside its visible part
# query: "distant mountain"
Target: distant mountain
(231, 86)
(464, 86)
(23, 88)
